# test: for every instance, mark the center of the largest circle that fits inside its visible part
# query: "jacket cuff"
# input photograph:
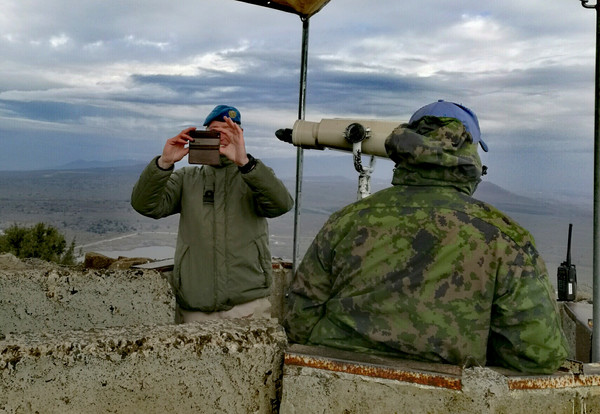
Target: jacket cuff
(249, 166)
(160, 168)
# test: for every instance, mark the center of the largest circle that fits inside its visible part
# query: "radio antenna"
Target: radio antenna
(569, 245)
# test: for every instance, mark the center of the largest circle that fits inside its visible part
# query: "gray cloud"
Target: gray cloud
(96, 79)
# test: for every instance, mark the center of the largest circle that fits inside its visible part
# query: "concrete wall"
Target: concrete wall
(318, 380)
(99, 341)
(217, 367)
(39, 296)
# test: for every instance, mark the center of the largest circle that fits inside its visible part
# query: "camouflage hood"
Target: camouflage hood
(434, 152)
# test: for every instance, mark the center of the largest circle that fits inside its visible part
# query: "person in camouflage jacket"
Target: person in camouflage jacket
(424, 271)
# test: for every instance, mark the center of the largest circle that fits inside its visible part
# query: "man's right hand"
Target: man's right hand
(175, 149)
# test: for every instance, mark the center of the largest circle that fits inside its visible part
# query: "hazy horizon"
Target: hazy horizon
(338, 163)
(92, 205)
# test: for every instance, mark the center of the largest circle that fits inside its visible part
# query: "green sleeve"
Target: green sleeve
(157, 192)
(526, 332)
(309, 291)
(272, 197)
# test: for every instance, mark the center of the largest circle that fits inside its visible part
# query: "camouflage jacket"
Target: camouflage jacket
(424, 271)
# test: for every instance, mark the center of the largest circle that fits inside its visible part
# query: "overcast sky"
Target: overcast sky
(108, 80)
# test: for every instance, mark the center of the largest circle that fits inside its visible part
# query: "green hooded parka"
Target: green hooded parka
(222, 255)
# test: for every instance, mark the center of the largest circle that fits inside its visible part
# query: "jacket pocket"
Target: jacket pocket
(181, 265)
(264, 260)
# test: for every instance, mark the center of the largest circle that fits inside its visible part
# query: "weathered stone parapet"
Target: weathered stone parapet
(282, 276)
(230, 366)
(99, 341)
(44, 297)
(343, 382)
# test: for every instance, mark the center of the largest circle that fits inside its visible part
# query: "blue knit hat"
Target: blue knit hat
(221, 111)
(442, 108)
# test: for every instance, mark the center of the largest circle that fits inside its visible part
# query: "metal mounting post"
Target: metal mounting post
(356, 134)
(596, 231)
(364, 173)
(300, 151)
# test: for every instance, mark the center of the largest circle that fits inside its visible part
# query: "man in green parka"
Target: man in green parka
(222, 259)
(424, 271)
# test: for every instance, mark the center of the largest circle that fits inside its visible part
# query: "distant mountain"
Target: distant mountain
(85, 164)
(331, 176)
(515, 203)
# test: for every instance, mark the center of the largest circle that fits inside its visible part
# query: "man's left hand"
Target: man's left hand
(232, 140)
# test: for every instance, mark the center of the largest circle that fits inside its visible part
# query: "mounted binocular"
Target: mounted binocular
(340, 134)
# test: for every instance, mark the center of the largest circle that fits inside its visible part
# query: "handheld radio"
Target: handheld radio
(567, 275)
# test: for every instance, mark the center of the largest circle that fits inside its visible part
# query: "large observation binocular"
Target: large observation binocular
(359, 136)
(341, 134)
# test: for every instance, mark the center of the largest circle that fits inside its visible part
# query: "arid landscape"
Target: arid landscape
(92, 206)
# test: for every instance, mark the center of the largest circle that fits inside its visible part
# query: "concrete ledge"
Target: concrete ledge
(282, 274)
(99, 341)
(44, 297)
(435, 375)
(344, 382)
(577, 324)
(225, 366)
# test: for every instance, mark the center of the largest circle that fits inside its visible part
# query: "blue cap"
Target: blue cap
(442, 108)
(221, 111)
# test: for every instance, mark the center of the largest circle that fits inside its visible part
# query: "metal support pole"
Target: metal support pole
(596, 251)
(300, 151)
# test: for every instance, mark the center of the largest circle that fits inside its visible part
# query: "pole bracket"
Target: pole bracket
(585, 4)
